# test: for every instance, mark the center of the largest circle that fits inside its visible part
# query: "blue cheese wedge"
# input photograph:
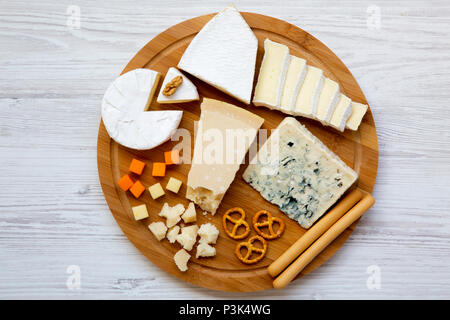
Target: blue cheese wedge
(297, 172)
(306, 104)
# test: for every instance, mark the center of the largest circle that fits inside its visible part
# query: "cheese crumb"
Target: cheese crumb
(172, 234)
(208, 233)
(172, 214)
(181, 259)
(205, 250)
(159, 229)
(190, 215)
(187, 237)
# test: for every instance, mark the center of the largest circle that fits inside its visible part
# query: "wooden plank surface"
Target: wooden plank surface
(52, 211)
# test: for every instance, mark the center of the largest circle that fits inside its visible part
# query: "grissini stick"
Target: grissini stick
(315, 232)
(317, 247)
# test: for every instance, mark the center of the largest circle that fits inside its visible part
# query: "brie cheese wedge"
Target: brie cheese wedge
(306, 104)
(272, 75)
(124, 113)
(341, 113)
(185, 92)
(358, 112)
(294, 79)
(223, 54)
(328, 100)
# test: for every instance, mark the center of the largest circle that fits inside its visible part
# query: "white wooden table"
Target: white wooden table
(52, 211)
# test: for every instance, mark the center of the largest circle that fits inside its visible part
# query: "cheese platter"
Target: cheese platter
(221, 224)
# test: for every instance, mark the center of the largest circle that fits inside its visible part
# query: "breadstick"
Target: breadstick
(315, 232)
(317, 247)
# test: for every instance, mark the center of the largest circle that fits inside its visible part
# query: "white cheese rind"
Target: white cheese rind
(294, 79)
(272, 75)
(124, 112)
(341, 113)
(223, 54)
(209, 180)
(308, 96)
(186, 92)
(305, 178)
(328, 100)
(358, 112)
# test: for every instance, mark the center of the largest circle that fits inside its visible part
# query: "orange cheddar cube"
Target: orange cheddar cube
(125, 182)
(172, 157)
(137, 189)
(159, 169)
(137, 166)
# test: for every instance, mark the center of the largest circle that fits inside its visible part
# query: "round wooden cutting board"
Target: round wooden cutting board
(224, 272)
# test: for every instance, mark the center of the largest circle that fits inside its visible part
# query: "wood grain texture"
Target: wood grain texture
(224, 272)
(53, 213)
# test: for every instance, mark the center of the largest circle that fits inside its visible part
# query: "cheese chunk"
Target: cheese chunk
(205, 250)
(181, 259)
(174, 185)
(358, 112)
(172, 214)
(158, 229)
(308, 96)
(223, 54)
(272, 75)
(140, 212)
(156, 191)
(341, 113)
(188, 237)
(228, 131)
(294, 79)
(328, 100)
(172, 234)
(190, 215)
(208, 233)
(300, 174)
(123, 111)
(185, 92)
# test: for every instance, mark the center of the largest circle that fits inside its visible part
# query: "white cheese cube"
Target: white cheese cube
(181, 259)
(205, 250)
(188, 237)
(272, 74)
(140, 212)
(308, 96)
(208, 233)
(294, 79)
(158, 229)
(328, 100)
(341, 113)
(190, 215)
(173, 185)
(172, 234)
(358, 112)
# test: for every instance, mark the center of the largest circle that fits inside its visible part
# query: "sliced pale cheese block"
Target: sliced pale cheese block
(306, 104)
(223, 54)
(124, 113)
(341, 113)
(328, 100)
(294, 79)
(185, 92)
(358, 112)
(272, 75)
(216, 159)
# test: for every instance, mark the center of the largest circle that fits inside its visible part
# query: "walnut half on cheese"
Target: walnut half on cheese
(181, 259)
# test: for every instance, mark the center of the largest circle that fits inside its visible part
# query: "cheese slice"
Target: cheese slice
(212, 173)
(124, 115)
(358, 112)
(341, 113)
(223, 54)
(328, 100)
(272, 75)
(294, 79)
(185, 92)
(306, 104)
